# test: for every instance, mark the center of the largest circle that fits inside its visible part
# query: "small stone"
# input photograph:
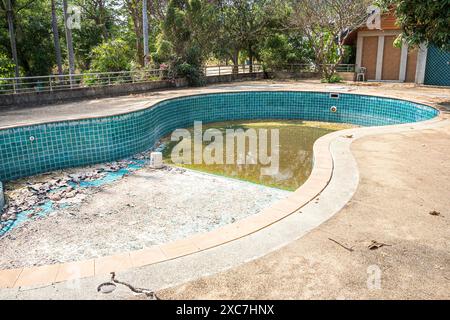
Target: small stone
(55, 197)
(70, 194)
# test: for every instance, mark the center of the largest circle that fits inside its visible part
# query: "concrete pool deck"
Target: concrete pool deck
(426, 95)
(403, 178)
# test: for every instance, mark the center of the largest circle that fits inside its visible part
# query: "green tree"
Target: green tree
(101, 20)
(280, 49)
(422, 21)
(33, 41)
(7, 66)
(56, 41)
(244, 26)
(12, 35)
(325, 23)
(69, 41)
(7, 70)
(133, 11)
(110, 56)
(186, 39)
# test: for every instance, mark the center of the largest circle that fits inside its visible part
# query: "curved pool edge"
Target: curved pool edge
(327, 150)
(179, 94)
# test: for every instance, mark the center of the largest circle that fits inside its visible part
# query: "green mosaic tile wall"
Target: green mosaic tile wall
(35, 149)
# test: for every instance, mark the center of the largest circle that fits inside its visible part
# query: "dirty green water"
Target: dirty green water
(296, 140)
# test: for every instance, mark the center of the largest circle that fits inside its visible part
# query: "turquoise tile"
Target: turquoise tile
(35, 149)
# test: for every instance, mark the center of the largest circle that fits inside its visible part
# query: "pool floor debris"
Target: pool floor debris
(48, 192)
(112, 208)
(40, 195)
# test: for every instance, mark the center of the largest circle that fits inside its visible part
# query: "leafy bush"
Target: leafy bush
(188, 66)
(191, 67)
(421, 21)
(282, 49)
(111, 56)
(147, 73)
(6, 71)
(164, 51)
(6, 66)
(334, 78)
(192, 73)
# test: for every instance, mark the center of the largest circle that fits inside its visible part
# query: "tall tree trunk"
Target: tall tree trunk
(235, 58)
(250, 58)
(69, 42)
(12, 36)
(102, 18)
(145, 32)
(56, 39)
(135, 13)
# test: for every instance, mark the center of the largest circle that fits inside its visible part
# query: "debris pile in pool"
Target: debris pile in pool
(38, 196)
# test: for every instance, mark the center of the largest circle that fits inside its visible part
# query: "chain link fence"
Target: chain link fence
(437, 71)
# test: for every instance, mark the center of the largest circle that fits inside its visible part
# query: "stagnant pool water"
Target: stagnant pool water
(295, 157)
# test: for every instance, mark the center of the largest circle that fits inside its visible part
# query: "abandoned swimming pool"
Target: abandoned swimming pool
(60, 144)
(29, 150)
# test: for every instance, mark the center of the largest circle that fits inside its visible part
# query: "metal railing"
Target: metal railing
(230, 69)
(67, 82)
(296, 68)
(311, 67)
(345, 68)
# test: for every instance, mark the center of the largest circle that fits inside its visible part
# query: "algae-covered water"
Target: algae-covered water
(296, 140)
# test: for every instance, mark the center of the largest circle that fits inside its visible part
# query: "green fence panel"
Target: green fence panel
(437, 70)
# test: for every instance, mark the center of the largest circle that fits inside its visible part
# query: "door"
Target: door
(391, 60)
(369, 56)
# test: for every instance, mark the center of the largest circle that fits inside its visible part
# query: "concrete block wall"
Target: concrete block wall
(294, 75)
